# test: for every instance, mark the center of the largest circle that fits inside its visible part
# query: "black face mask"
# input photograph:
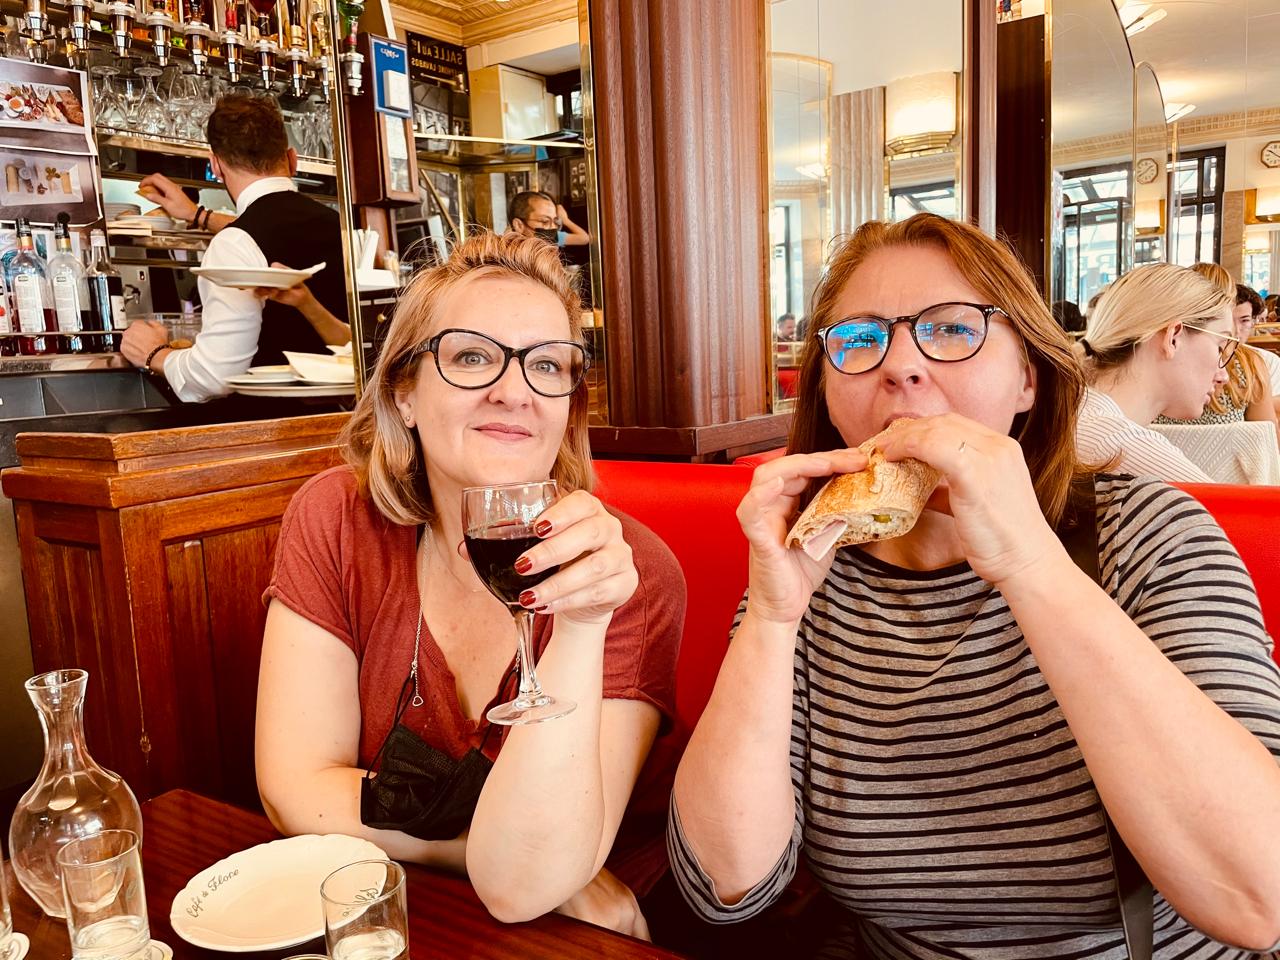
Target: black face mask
(418, 789)
(549, 234)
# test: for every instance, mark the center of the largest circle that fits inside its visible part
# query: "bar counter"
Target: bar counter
(185, 832)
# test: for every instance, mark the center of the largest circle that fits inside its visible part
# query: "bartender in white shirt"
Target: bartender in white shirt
(274, 226)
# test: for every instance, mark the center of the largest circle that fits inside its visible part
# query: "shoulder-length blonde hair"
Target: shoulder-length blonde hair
(386, 454)
(1047, 432)
(1142, 303)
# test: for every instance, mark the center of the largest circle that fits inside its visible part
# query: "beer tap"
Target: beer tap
(297, 54)
(352, 60)
(35, 28)
(233, 43)
(198, 36)
(122, 14)
(265, 46)
(160, 23)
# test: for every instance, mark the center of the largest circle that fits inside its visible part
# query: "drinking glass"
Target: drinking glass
(497, 524)
(129, 87)
(365, 915)
(152, 119)
(10, 944)
(105, 899)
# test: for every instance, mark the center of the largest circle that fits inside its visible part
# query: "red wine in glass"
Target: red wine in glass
(494, 551)
(497, 524)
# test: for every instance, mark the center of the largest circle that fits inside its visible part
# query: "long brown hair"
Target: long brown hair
(385, 453)
(1047, 432)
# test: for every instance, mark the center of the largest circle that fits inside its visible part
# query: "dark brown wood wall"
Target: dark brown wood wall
(680, 99)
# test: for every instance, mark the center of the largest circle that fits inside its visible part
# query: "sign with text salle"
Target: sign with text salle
(435, 60)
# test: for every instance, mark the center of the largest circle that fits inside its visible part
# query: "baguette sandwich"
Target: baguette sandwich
(881, 502)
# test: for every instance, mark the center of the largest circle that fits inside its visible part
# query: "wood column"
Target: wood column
(1023, 169)
(680, 98)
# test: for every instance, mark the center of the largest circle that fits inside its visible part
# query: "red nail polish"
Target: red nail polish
(528, 598)
(541, 609)
(542, 528)
(523, 565)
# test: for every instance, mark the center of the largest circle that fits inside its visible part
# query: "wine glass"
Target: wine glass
(108, 111)
(152, 119)
(497, 525)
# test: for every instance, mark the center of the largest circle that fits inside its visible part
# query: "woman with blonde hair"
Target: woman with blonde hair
(384, 650)
(1247, 393)
(1157, 344)
(942, 721)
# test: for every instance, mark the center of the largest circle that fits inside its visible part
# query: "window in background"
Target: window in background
(1257, 271)
(939, 198)
(1094, 201)
(1197, 184)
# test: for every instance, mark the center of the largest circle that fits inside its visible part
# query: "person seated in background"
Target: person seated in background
(384, 650)
(1271, 303)
(784, 331)
(942, 721)
(1244, 330)
(249, 152)
(536, 214)
(1247, 393)
(1156, 344)
(1068, 316)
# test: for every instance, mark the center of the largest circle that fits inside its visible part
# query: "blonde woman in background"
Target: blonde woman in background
(1247, 394)
(1157, 344)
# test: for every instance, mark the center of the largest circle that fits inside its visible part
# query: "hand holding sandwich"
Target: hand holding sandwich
(988, 492)
(782, 580)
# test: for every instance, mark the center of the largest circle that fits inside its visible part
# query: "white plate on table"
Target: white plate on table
(295, 389)
(246, 278)
(274, 372)
(321, 367)
(266, 897)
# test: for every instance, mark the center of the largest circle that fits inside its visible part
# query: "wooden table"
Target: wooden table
(185, 832)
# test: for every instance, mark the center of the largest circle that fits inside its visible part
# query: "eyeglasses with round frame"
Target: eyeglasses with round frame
(1226, 350)
(950, 347)
(579, 361)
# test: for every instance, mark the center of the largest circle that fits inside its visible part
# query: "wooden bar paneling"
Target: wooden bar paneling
(680, 128)
(147, 570)
(1023, 172)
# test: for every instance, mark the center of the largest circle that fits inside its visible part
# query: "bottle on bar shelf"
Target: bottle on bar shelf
(28, 277)
(106, 294)
(8, 345)
(70, 293)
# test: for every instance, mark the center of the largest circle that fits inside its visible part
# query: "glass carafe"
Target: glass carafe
(72, 797)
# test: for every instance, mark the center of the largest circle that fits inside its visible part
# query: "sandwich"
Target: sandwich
(881, 502)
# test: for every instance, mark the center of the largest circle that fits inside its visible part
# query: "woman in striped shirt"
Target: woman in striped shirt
(1158, 343)
(938, 720)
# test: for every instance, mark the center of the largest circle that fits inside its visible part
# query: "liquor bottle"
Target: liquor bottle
(351, 11)
(106, 293)
(28, 277)
(70, 291)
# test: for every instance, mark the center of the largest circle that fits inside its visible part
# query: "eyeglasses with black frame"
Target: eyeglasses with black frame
(947, 332)
(1226, 350)
(473, 361)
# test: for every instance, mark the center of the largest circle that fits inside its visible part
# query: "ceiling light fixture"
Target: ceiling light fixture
(1145, 21)
(1174, 112)
(814, 171)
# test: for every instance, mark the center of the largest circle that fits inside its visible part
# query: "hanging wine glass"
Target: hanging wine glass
(153, 118)
(129, 87)
(107, 108)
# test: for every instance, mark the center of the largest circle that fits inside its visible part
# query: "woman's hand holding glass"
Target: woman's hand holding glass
(988, 491)
(782, 580)
(597, 574)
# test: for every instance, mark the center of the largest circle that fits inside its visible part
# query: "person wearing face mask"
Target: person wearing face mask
(536, 214)
(274, 225)
(948, 725)
(384, 651)
(1158, 344)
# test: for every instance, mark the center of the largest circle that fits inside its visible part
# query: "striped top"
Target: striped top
(940, 796)
(1107, 438)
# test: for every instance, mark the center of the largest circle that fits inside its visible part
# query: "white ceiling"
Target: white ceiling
(550, 62)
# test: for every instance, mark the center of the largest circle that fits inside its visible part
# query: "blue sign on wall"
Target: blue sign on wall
(391, 77)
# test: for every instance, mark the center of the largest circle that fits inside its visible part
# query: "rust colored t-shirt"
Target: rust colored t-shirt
(346, 568)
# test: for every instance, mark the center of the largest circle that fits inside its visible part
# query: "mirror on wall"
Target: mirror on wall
(1151, 181)
(1091, 225)
(504, 135)
(864, 121)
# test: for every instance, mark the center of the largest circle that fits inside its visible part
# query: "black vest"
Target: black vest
(293, 229)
